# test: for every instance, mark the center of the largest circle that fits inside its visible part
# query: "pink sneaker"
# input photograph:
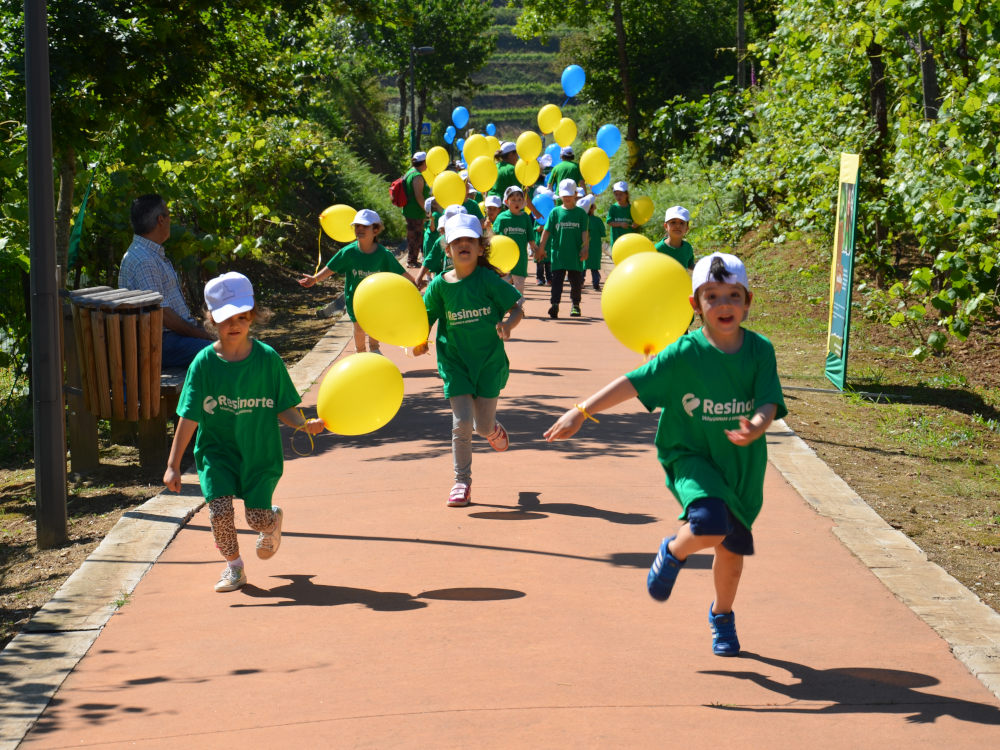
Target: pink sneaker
(498, 438)
(461, 495)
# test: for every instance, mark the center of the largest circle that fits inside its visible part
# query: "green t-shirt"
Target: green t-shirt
(470, 355)
(356, 265)
(683, 254)
(597, 233)
(430, 231)
(702, 393)
(414, 208)
(238, 448)
(565, 170)
(505, 178)
(619, 213)
(566, 227)
(436, 260)
(520, 228)
(472, 207)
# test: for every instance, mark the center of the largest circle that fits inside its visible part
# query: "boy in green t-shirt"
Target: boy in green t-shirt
(568, 227)
(520, 227)
(677, 223)
(619, 217)
(718, 391)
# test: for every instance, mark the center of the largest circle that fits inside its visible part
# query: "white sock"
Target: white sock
(237, 563)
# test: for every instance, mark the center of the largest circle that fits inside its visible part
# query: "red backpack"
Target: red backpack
(397, 192)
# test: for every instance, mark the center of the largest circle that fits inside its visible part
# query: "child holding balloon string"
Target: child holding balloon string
(520, 227)
(356, 261)
(475, 311)
(718, 391)
(619, 216)
(234, 393)
(597, 233)
(676, 224)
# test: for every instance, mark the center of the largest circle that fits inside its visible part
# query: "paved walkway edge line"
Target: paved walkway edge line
(39, 658)
(970, 627)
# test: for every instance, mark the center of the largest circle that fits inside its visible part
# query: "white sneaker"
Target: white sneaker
(268, 543)
(232, 579)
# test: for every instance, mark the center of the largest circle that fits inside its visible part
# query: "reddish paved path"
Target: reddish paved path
(388, 620)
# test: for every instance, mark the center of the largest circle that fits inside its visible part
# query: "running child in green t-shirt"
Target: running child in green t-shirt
(470, 304)
(676, 224)
(357, 261)
(568, 229)
(718, 391)
(234, 393)
(619, 217)
(517, 224)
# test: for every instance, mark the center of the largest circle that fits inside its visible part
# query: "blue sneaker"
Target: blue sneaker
(660, 581)
(724, 640)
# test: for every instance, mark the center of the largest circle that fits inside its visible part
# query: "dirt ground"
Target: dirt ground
(919, 441)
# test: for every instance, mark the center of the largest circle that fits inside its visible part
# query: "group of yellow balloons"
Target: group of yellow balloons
(363, 392)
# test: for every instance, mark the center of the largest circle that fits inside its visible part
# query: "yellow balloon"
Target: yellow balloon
(476, 146)
(529, 145)
(359, 394)
(548, 118)
(482, 207)
(483, 173)
(628, 245)
(642, 210)
(449, 190)
(565, 132)
(336, 222)
(645, 302)
(389, 308)
(527, 171)
(594, 164)
(494, 144)
(437, 159)
(504, 253)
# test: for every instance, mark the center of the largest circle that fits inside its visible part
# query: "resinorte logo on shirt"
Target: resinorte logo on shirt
(235, 405)
(460, 317)
(717, 411)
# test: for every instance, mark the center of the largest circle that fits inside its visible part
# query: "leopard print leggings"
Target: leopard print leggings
(223, 519)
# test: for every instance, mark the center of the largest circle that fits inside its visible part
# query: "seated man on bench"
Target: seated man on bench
(145, 266)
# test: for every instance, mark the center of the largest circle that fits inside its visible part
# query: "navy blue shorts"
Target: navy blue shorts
(710, 516)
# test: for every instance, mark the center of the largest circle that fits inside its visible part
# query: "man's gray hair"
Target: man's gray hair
(146, 209)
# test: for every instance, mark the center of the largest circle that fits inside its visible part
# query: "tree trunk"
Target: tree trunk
(880, 114)
(928, 77)
(64, 209)
(404, 100)
(632, 114)
(421, 108)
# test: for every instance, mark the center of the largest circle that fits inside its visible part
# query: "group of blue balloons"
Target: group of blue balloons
(460, 118)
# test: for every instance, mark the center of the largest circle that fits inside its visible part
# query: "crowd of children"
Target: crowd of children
(237, 390)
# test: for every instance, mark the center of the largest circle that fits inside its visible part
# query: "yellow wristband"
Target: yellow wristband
(584, 413)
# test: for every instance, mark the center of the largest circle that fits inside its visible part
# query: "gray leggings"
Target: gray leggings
(469, 413)
(223, 519)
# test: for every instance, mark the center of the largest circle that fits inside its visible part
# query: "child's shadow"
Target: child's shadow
(529, 506)
(301, 591)
(850, 690)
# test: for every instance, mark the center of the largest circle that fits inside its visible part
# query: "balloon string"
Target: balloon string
(566, 102)
(312, 443)
(319, 251)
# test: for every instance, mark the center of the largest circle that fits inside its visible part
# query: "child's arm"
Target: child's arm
(618, 390)
(542, 243)
(585, 250)
(309, 280)
(182, 436)
(421, 276)
(514, 316)
(293, 418)
(753, 428)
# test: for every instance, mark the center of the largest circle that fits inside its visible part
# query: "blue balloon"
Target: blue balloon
(609, 138)
(573, 79)
(543, 204)
(460, 143)
(601, 186)
(449, 134)
(491, 129)
(460, 116)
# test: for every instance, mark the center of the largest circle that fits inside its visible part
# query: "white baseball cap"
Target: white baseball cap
(580, 192)
(544, 161)
(620, 187)
(510, 191)
(452, 210)
(507, 147)
(567, 187)
(567, 152)
(366, 217)
(462, 225)
(228, 295)
(586, 202)
(420, 156)
(429, 204)
(735, 271)
(464, 174)
(542, 190)
(493, 201)
(677, 212)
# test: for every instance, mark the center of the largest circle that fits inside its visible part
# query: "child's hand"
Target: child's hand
(746, 434)
(307, 281)
(503, 331)
(420, 349)
(172, 479)
(566, 426)
(314, 426)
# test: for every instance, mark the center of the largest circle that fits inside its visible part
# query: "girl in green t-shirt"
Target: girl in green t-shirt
(234, 393)
(356, 261)
(469, 304)
(597, 234)
(718, 390)
(619, 217)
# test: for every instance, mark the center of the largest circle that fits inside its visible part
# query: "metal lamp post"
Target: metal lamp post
(414, 51)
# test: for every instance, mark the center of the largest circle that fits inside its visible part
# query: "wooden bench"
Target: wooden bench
(117, 373)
